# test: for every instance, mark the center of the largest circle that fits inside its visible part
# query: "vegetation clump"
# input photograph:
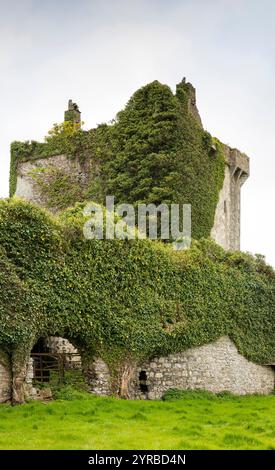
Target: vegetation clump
(125, 300)
(154, 152)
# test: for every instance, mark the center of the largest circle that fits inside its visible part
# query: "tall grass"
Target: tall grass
(193, 421)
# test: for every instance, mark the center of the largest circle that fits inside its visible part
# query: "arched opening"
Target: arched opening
(53, 358)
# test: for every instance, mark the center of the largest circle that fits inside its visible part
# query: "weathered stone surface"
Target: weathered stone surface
(58, 345)
(192, 104)
(27, 187)
(215, 367)
(226, 228)
(5, 378)
(44, 394)
(98, 377)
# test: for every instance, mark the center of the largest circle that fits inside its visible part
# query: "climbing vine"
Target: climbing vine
(126, 301)
(155, 151)
(158, 153)
(67, 138)
(135, 298)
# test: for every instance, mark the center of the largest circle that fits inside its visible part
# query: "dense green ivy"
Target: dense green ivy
(126, 299)
(155, 151)
(59, 188)
(160, 154)
(129, 300)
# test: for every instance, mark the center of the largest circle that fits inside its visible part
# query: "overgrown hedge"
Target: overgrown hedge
(155, 151)
(126, 299)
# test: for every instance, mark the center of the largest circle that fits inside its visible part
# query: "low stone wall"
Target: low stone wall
(215, 367)
(5, 378)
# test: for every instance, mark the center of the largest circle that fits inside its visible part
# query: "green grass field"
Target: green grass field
(195, 421)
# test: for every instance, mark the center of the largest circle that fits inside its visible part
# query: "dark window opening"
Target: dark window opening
(143, 381)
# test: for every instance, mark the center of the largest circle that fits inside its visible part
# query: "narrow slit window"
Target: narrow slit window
(225, 207)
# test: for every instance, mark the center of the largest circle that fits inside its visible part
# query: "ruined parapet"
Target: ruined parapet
(192, 100)
(192, 104)
(72, 113)
(226, 228)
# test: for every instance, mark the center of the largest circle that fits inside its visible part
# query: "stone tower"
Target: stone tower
(226, 227)
(72, 113)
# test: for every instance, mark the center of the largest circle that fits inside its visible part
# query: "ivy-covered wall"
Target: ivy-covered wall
(125, 301)
(155, 151)
(67, 138)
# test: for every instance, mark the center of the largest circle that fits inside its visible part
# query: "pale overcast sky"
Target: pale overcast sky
(99, 52)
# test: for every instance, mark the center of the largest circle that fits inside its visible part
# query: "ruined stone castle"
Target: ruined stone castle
(226, 227)
(217, 366)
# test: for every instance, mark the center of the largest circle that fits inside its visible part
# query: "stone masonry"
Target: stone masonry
(5, 378)
(59, 345)
(27, 187)
(215, 367)
(98, 377)
(226, 228)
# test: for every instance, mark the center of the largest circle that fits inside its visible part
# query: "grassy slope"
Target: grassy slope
(193, 422)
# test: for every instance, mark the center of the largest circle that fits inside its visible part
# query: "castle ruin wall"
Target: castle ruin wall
(216, 367)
